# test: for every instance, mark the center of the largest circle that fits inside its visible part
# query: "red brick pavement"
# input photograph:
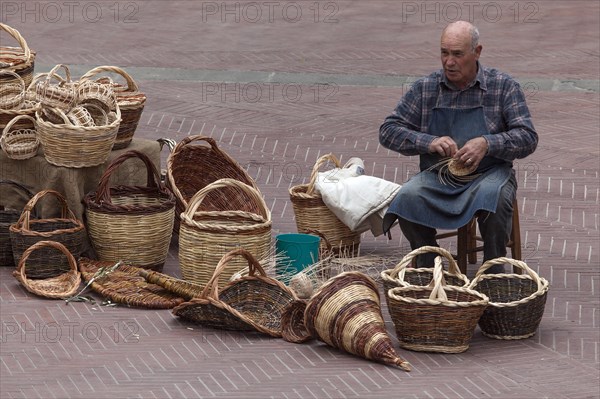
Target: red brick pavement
(52, 350)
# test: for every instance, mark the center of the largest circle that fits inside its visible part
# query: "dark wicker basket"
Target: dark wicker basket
(67, 230)
(9, 216)
(292, 323)
(517, 301)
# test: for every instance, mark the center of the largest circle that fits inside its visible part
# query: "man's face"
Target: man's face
(458, 61)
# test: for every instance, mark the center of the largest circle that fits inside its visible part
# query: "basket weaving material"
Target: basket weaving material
(131, 102)
(61, 286)
(292, 323)
(66, 230)
(20, 60)
(12, 95)
(9, 216)
(131, 223)
(62, 95)
(312, 214)
(191, 168)
(402, 275)
(251, 303)
(19, 143)
(436, 318)
(346, 313)
(206, 236)
(124, 285)
(182, 288)
(517, 301)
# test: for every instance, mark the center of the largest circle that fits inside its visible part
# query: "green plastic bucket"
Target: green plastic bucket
(295, 251)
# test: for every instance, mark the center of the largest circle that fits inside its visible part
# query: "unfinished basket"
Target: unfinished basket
(62, 95)
(12, 95)
(436, 318)
(67, 230)
(312, 214)
(206, 236)
(57, 287)
(125, 286)
(20, 60)
(345, 313)
(517, 301)
(131, 102)
(9, 215)
(191, 168)
(251, 303)
(131, 223)
(19, 143)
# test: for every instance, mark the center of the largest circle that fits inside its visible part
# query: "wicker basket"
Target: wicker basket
(131, 102)
(66, 230)
(74, 146)
(131, 223)
(346, 313)
(436, 318)
(9, 216)
(28, 108)
(57, 287)
(125, 286)
(191, 168)
(206, 236)
(19, 143)
(312, 214)
(517, 301)
(181, 288)
(251, 303)
(20, 60)
(62, 95)
(12, 95)
(292, 323)
(403, 275)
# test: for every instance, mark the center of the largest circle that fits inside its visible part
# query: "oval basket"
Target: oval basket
(66, 230)
(57, 287)
(12, 95)
(517, 301)
(19, 143)
(131, 223)
(131, 102)
(9, 216)
(251, 303)
(206, 236)
(312, 214)
(435, 318)
(20, 60)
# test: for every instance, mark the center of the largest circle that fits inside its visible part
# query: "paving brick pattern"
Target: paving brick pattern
(276, 130)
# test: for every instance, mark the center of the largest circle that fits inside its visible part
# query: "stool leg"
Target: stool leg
(515, 236)
(472, 241)
(462, 248)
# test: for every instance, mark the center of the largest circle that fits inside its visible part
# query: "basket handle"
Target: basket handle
(325, 240)
(513, 262)
(131, 85)
(16, 185)
(53, 72)
(438, 282)
(212, 286)
(56, 111)
(66, 213)
(190, 139)
(17, 36)
(400, 270)
(14, 120)
(41, 75)
(153, 178)
(197, 199)
(45, 243)
(315, 171)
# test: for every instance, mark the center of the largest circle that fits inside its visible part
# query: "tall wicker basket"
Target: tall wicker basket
(312, 214)
(131, 223)
(206, 236)
(17, 59)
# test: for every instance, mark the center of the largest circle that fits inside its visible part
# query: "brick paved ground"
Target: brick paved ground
(279, 84)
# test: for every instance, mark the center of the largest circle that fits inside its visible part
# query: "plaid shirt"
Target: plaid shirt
(512, 134)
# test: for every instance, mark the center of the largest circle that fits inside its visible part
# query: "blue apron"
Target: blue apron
(425, 200)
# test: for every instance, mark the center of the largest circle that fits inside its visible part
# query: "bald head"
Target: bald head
(460, 50)
(463, 30)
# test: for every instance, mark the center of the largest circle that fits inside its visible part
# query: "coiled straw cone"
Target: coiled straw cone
(346, 313)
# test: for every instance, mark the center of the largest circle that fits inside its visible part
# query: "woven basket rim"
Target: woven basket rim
(395, 293)
(74, 129)
(27, 52)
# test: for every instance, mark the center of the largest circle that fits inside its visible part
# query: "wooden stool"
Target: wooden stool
(467, 239)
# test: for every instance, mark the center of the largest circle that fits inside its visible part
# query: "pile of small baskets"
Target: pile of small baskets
(312, 214)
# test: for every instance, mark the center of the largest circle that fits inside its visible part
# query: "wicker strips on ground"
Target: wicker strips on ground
(251, 303)
(20, 60)
(436, 318)
(57, 287)
(19, 143)
(346, 313)
(517, 301)
(312, 214)
(131, 223)
(66, 230)
(126, 286)
(9, 216)
(206, 236)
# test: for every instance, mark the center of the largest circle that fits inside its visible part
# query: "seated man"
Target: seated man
(476, 116)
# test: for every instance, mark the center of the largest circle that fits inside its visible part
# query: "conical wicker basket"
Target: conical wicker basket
(346, 313)
(9, 215)
(20, 60)
(312, 214)
(517, 301)
(251, 303)
(57, 287)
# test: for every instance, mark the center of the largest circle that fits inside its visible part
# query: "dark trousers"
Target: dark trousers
(495, 229)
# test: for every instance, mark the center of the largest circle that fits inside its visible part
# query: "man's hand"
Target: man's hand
(472, 152)
(445, 146)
